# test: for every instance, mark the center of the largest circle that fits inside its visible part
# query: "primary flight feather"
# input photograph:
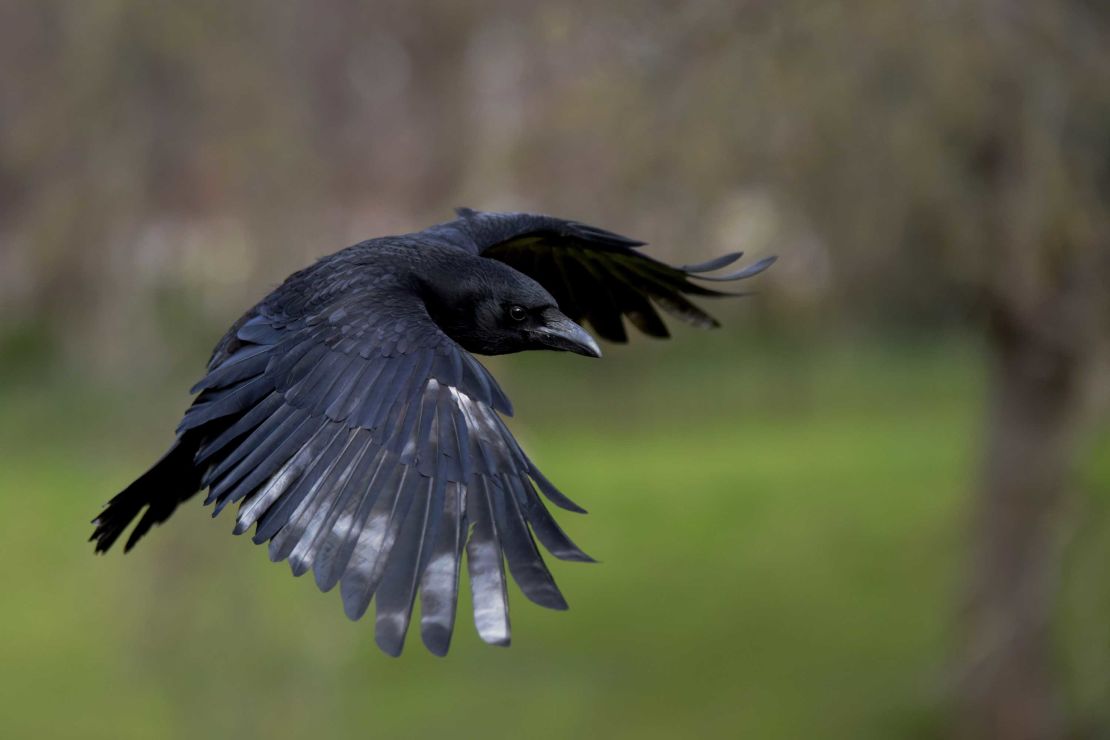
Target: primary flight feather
(347, 418)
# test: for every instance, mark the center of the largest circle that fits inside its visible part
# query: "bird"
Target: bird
(348, 419)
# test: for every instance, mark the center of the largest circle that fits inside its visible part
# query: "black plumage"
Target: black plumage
(348, 419)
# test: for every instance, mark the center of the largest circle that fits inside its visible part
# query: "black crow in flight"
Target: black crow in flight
(346, 415)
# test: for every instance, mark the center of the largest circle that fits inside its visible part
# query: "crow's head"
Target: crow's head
(491, 309)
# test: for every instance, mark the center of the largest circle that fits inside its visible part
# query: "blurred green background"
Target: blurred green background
(876, 504)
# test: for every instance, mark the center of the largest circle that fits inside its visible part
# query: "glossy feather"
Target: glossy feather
(363, 443)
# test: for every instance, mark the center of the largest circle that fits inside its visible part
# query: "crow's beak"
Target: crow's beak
(559, 332)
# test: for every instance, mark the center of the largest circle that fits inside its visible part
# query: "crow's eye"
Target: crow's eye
(517, 313)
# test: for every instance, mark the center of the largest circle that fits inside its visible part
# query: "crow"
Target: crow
(346, 415)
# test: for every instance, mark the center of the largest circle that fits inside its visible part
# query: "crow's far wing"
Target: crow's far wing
(366, 446)
(600, 276)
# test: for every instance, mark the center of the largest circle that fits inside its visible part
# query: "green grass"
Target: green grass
(780, 544)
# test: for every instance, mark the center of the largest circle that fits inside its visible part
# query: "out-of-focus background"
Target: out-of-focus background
(876, 504)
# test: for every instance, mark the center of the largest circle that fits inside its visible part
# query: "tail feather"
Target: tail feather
(173, 479)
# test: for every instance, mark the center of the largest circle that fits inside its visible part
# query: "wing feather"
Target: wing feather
(439, 584)
(372, 544)
(362, 447)
(487, 568)
(598, 275)
(352, 506)
(399, 587)
(318, 516)
(525, 562)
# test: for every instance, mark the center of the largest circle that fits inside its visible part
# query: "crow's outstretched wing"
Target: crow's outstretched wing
(366, 446)
(600, 276)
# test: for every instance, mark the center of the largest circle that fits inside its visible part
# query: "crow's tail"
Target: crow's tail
(173, 479)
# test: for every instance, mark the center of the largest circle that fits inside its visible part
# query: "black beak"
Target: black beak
(560, 333)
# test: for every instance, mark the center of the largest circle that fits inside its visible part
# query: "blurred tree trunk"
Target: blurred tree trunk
(1045, 285)
(1009, 678)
